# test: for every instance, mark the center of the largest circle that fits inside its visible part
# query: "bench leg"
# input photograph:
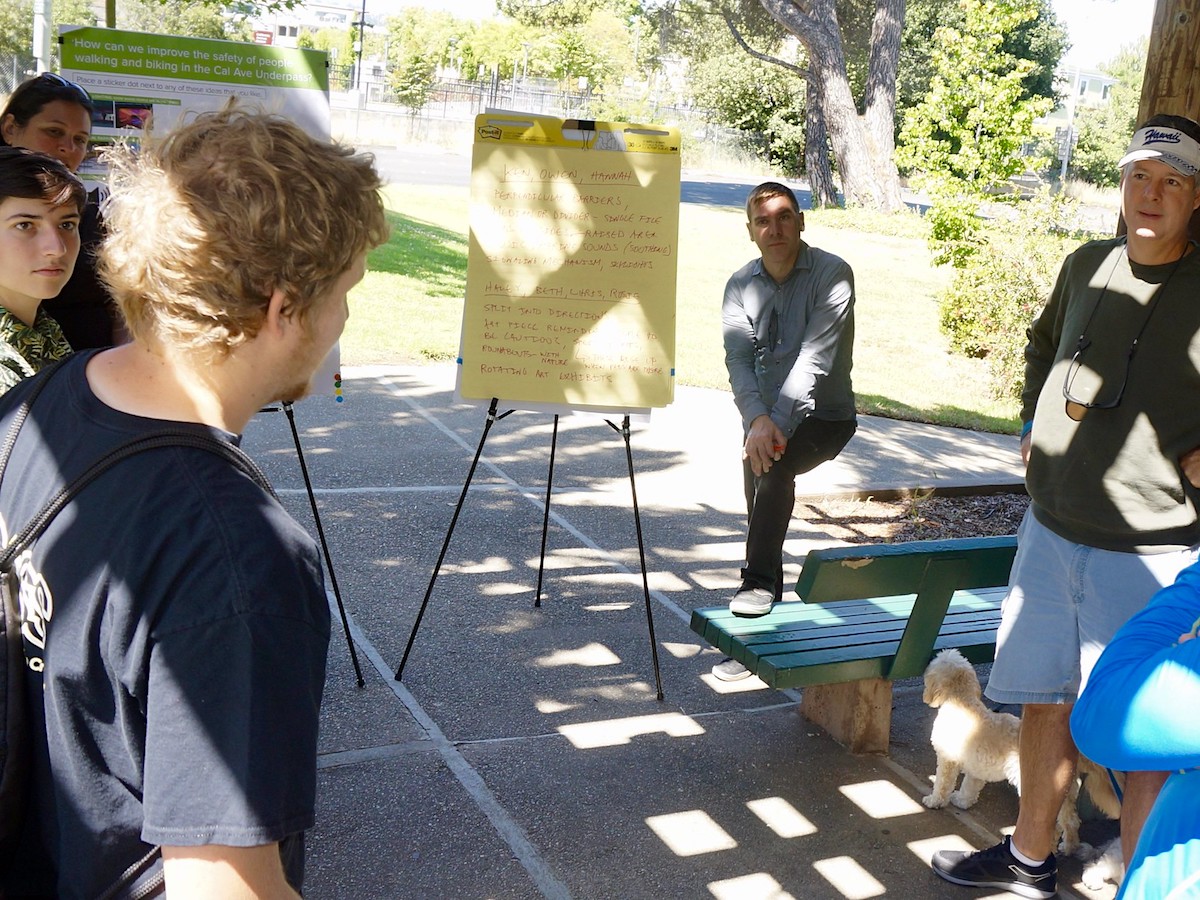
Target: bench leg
(857, 714)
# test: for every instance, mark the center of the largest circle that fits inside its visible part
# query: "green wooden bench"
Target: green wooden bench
(870, 615)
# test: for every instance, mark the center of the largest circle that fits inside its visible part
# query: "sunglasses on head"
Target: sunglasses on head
(59, 81)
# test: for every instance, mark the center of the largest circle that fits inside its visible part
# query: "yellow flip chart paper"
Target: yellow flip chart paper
(571, 269)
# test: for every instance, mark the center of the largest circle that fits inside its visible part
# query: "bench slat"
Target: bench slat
(781, 671)
(986, 599)
(786, 615)
(849, 646)
(800, 644)
(832, 638)
(850, 636)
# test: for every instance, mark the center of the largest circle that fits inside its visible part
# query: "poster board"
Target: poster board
(140, 80)
(143, 82)
(572, 262)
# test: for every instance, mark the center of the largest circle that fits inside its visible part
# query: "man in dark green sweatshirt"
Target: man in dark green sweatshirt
(1111, 442)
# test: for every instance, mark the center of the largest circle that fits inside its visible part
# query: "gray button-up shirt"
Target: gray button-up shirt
(788, 346)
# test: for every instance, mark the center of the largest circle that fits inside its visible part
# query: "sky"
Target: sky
(464, 9)
(1098, 28)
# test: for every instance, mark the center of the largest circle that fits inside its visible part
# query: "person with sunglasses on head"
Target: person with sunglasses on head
(52, 115)
(1111, 444)
(40, 207)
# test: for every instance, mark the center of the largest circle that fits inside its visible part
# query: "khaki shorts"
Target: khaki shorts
(1065, 602)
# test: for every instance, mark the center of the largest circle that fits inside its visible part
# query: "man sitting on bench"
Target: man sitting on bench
(788, 323)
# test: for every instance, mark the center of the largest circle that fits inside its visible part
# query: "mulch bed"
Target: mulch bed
(923, 516)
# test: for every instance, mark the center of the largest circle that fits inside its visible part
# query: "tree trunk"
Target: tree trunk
(863, 146)
(880, 93)
(816, 149)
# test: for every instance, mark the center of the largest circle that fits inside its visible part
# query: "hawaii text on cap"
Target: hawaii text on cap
(1167, 145)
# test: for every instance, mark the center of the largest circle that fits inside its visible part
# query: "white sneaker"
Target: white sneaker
(730, 670)
(752, 602)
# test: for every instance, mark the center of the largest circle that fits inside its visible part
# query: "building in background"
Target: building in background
(1078, 88)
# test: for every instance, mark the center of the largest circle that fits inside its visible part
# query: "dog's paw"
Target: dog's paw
(1106, 867)
(1093, 877)
(1100, 873)
(961, 800)
(933, 801)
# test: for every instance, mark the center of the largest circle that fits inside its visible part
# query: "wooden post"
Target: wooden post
(857, 714)
(1172, 83)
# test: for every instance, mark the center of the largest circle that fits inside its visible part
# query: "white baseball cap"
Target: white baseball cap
(1168, 145)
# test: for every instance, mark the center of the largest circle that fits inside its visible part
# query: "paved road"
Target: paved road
(408, 165)
(415, 165)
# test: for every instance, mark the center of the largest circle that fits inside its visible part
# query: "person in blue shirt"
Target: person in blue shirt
(1140, 712)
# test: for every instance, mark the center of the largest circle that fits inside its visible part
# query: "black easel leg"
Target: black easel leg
(291, 417)
(637, 519)
(537, 599)
(491, 420)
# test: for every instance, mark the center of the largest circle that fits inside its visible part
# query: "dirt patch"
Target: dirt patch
(917, 518)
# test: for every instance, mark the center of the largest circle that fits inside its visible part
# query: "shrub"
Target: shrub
(1003, 285)
(954, 226)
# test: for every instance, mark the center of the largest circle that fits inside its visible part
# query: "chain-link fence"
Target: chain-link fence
(15, 68)
(463, 100)
(454, 100)
(458, 99)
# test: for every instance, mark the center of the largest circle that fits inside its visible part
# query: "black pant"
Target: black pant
(770, 498)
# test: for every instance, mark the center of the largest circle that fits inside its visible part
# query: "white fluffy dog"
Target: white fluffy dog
(981, 745)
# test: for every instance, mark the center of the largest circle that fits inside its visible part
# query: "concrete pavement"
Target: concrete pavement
(524, 754)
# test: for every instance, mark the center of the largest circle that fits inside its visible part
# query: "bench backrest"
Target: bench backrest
(932, 570)
(890, 570)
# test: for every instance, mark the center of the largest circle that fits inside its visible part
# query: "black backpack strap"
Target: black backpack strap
(166, 437)
(38, 381)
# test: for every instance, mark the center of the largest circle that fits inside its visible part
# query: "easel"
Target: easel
(312, 500)
(492, 418)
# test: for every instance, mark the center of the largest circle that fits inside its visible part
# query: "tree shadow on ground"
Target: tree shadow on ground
(431, 255)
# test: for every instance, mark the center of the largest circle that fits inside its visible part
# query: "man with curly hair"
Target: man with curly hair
(174, 619)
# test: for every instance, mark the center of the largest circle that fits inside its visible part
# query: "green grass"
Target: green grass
(409, 307)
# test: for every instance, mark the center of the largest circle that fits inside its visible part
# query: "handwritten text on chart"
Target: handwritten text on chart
(571, 276)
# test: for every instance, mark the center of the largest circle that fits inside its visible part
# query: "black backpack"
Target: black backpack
(14, 738)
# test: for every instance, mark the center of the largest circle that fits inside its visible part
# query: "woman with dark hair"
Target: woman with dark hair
(41, 203)
(52, 115)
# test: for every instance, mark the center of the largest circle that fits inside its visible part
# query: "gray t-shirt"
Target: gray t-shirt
(788, 347)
